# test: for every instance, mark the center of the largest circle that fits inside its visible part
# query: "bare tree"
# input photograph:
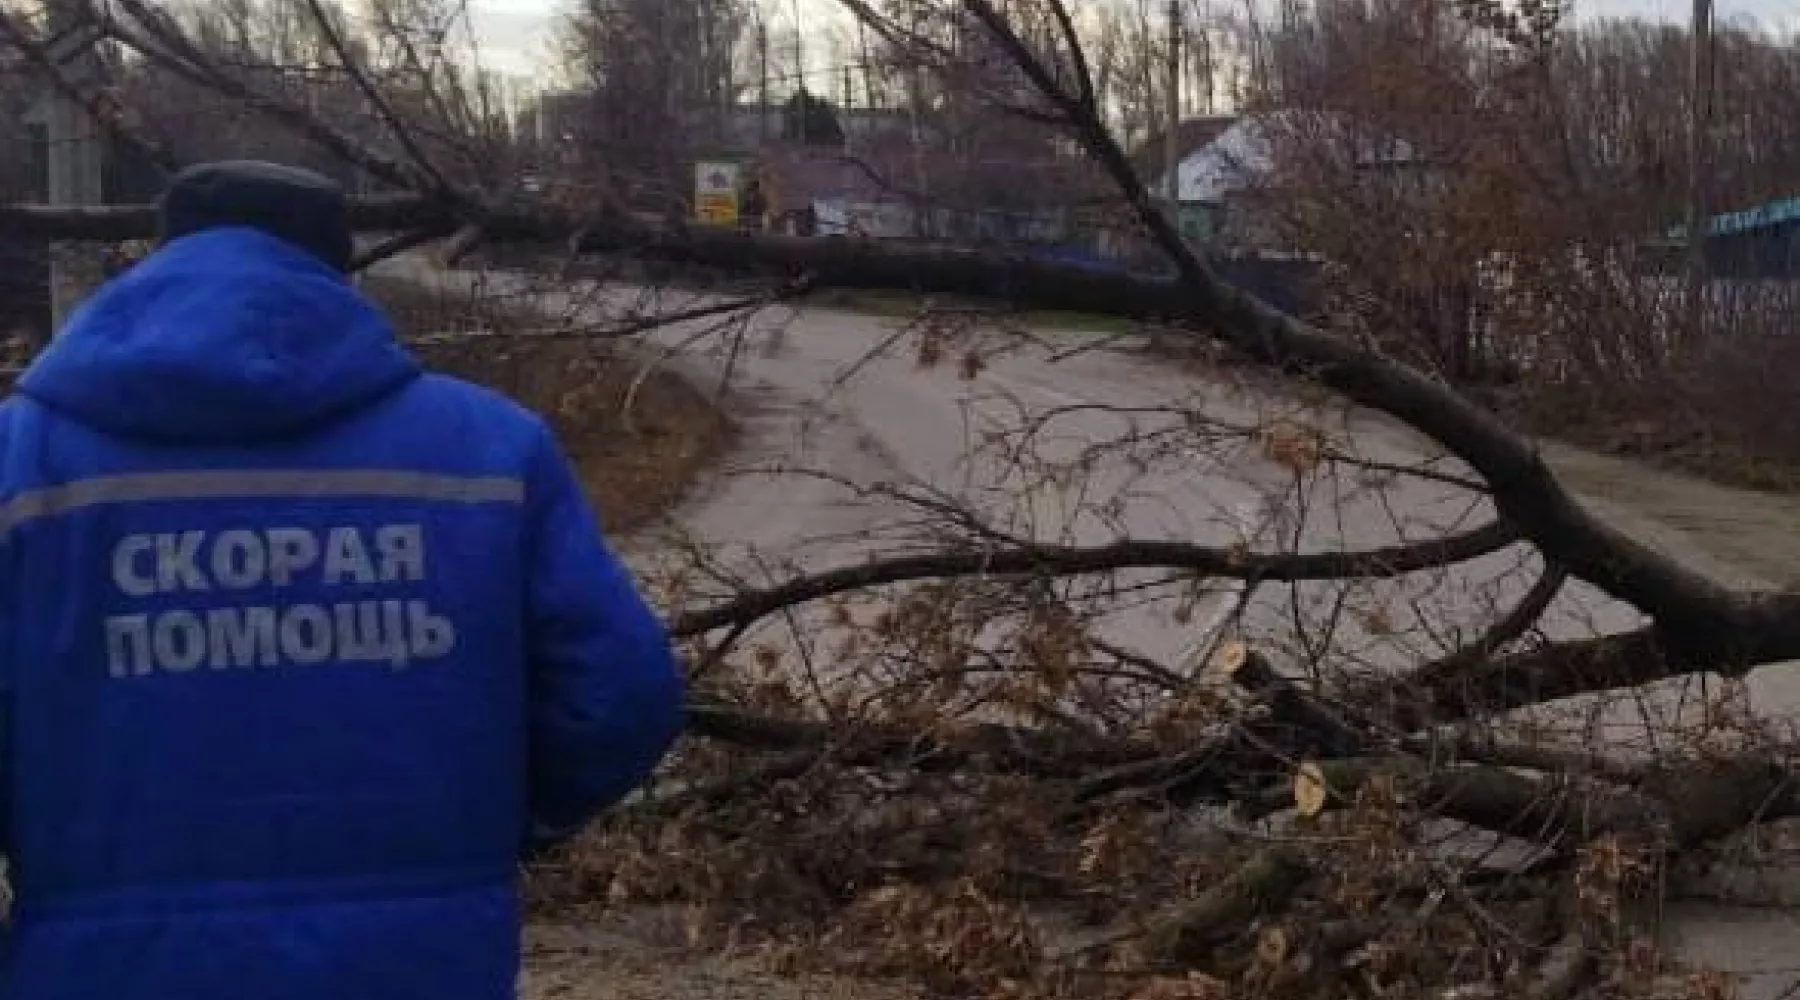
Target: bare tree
(1488, 191)
(1128, 44)
(650, 113)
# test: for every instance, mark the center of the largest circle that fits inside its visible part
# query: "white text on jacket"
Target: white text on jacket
(396, 631)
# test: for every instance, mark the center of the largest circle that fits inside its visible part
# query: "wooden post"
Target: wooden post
(75, 158)
(762, 63)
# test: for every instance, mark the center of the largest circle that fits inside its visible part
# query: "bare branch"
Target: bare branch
(1084, 77)
(978, 747)
(1057, 559)
(627, 328)
(432, 180)
(1681, 805)
(165, 32)
(1515, 624)
(396, 245)
(1550, 673)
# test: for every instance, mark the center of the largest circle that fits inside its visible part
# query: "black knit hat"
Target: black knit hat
(299, 206)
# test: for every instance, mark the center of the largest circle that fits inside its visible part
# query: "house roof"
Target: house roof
(1192, 135)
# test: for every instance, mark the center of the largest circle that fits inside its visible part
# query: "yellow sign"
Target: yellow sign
(716, 192)
(717, 209)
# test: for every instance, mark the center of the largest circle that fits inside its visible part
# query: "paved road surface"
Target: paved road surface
(835, 391)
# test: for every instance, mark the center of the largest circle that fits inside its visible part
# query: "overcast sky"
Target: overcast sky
(516, 34)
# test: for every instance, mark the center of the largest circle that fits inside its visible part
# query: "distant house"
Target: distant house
(127, 176)
(1195, 139)
(1228, 165)
(894, 178)
(1228, 189)
(884, 173)
(814, 191)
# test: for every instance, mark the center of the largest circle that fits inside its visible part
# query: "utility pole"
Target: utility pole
(1207, 83)
(802, 108)
(675, 99)
(762, 68)
(1172, 140)
(1699, 164)
(724, 70)
(868, 70)
(74, 155)
(924, 217)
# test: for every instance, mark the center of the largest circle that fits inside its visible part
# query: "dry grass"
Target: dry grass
(1730, 422)
(1673, 434)
(644, 953)
(633, 468)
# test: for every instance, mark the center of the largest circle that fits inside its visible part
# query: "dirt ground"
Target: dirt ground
(1744, 538)
(639, 954)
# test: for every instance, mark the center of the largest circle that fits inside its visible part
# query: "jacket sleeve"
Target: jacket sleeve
(605, 693)
(9, 588)
(8, 685)
(6, 763)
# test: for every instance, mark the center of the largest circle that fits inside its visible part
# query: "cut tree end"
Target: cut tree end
(1309, 789)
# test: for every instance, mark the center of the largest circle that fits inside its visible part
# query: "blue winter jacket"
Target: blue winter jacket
(297, 644)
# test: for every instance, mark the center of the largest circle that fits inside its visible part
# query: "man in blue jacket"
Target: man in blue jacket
(301, 648)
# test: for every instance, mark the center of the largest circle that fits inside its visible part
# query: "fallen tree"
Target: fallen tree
(1331, 864)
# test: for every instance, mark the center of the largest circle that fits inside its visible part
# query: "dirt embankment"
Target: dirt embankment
(637, 452)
